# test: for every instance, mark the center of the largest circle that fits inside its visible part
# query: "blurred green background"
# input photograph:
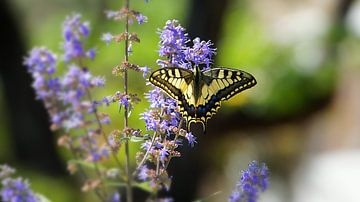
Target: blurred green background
(302, 118)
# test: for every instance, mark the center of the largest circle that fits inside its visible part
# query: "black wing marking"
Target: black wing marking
(178, 84)
(219, 84)
(172, 80)
(227, 82)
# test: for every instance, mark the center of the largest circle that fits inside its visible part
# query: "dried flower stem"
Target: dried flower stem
(147, 153)
(129, 195)
(83, 173)
(113, 152)
(176, 137)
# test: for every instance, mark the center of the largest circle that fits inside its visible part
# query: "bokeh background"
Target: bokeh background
(302, 118)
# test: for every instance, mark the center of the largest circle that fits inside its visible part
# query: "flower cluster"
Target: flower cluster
(173, 41)
(163, 117)
(74, 32)
(252, 181)
(173, 46)
(15, 189)
(130, 14)
(68, 99)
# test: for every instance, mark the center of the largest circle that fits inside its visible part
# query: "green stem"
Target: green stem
(146, 154)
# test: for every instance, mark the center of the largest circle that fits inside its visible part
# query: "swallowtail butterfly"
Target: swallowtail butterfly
(199, 93)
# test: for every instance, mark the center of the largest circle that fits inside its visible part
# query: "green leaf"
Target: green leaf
(208, 197)
(145, 186)
(86, 164)
(132, 139)
(137, 139)
(116, 184)
(42, 198)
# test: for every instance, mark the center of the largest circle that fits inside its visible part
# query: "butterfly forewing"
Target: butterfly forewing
(178, 84)
(174, 81)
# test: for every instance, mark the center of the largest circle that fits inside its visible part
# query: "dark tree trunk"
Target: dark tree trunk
(32, 141)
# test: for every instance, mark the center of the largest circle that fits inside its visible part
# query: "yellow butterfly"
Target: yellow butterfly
(199, 93)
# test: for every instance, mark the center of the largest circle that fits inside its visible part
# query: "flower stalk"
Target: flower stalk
(129, 194)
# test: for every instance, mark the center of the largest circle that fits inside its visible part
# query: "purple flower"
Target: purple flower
(107, 37)
(145, 70)
(252, 181)
(98, 81)
(143, 173)
(173, 41)
(191, 139)
(40, 61)
(235, 196)
(124, 101)
(115, 197)
(91, 53)
(111, 14)
(141, 18)
(163, 153)
(107, 100)
(74, 32)
(16, 190)
(200, 53)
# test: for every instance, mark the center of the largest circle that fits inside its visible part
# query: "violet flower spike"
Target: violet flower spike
(200, 53)
(74, 32)
(252, 181)
(173, 41)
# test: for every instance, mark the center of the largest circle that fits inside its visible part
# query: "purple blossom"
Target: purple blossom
(74, 32)
(173, 41)
(145, 70)
(143, 173)
(41, 64)
(98, 81)
(200, 53)
(112, 14)
(146, 145)
(107, 38)
(141, 18)
(252, 181)
(173, 46)
(115, 197)
(163, 153)
(91, 53)
(159, 102)
(105, 120)
(191, 139)
(107, 100)
(40, 61)
(17, 190)
(124, 101)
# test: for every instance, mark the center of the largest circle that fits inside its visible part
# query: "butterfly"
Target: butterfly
(199, 93)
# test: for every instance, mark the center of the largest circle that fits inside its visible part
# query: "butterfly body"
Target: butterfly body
(199, 93)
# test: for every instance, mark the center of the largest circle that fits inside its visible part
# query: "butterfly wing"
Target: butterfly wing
(178, 83)
(219, 84)
(216, 85)
(224, 83)
(174, 81)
